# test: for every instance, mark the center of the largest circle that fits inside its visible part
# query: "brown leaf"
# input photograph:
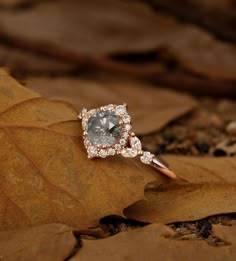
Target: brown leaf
(204, 170)
(188, 202)
(47, 242)
(157, 242)
(143, 100)
(216, 16)
(201, 53)
(28, 62)
(12, 92)
(210, 189)
(45, 173)
(122, 27)
(38, 111)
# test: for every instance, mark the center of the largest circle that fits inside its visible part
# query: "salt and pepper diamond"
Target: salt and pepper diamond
(103, 128)
(106, 130)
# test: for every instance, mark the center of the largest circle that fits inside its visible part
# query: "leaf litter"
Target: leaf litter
(123, 27)
(202, 176)
(207, 133)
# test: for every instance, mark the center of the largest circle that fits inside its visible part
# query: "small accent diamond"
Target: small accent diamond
(129, 153)
(122, 141)
(120, 109)
(111, 151)
(126, 119)
(147, 157)
(127, 127)
(135, 143)
(102, 153)
(86, 142)
(92, 151)
(117, 146)
(125, 135)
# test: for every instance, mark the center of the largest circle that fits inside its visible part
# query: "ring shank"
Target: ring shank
(161, 167)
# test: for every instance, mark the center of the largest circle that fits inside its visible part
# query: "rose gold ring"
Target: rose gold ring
(107, 132)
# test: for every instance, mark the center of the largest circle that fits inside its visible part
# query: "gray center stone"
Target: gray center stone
(104, 128)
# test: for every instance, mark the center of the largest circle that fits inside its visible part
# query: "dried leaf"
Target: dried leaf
(201, 53)
(157, 242)
(12, 92)
(204, 170)
(188, 202)
(210, 189)
(121, 27)
(24, 61)
(45, 173)
(143, 100)
(47, 242)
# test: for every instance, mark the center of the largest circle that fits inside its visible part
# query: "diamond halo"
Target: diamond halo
(106, 130)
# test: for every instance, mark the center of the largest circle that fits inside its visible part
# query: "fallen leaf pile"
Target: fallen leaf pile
(154, 239)
(55, 203)
(56, 242)
(47, 178)
(210, 188)
(83, 33)
(46, 242)
(216, 16)
(45, 174)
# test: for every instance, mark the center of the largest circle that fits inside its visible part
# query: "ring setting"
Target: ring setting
(107, 131)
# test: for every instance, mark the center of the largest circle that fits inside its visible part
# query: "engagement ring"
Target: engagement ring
(108, 131)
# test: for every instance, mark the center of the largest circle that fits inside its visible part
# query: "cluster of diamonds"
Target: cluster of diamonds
(114, 130)
(107, 131)
(147, 157)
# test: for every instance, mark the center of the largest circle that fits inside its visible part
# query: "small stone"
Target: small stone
(125, 135)
(92, 151)
(111, 151)
(135, 143)
(218, 152)
(117, 146)
(202, 147)
(86, 142)
(147, 157)
(231, 127)
(123, 227)
(102, 153)
(120, 109)
(126, 119)
(84, 123)
(109, 107)
(122, 141)
(129, 153)
(127, 127)
(82, 113)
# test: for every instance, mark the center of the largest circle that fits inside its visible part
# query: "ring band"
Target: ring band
(107, 131)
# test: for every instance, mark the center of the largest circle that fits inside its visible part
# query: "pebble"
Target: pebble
(202, 147)
(123, 227)
(189, 237)
(225, 148)
(219, 152)
(231, 127)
